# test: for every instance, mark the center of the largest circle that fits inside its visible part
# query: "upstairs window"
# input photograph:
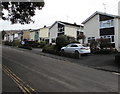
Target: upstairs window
(107, 24)
(60, 27)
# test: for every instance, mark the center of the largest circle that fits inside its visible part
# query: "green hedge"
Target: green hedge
(52, 49)
(14, 43)
(25, 47)
(103, 51)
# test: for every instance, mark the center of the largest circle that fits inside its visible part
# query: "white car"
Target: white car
(76, 48)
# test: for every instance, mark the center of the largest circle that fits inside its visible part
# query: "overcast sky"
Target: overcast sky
(65, 10)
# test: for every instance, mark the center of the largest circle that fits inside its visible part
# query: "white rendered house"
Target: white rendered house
(103, 25)
(64, 28)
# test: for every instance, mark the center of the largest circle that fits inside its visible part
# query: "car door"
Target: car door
(67, 48)
(73, 48)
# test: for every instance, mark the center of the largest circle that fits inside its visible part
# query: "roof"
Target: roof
(66, 23)
(34, 30)
(96, 13)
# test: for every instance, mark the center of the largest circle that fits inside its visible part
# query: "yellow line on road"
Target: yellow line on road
(22, 85)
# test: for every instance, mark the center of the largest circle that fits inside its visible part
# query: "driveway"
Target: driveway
(101, 62)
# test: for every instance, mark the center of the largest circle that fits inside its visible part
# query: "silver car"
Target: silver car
(76, 48)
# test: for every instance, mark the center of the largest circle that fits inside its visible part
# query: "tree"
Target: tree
(19, 12)
(3, 34)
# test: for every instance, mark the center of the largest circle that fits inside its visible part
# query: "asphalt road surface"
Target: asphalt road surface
(27, 72)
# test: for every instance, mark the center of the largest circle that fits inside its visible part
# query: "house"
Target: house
(44, 34)
(34, 35)
(119, 8)
(11, 35)
(26, 34)
(103, 25)
(64, 28)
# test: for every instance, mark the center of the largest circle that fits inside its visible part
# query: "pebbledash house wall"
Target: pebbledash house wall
(91, 28)
(118, 27)
(117, 34)
(43, 33)
(53, 32)
(71, 31)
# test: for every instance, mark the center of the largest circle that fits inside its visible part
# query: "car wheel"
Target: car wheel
(77, 54)
(62, 50)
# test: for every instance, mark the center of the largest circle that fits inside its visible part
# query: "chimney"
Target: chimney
(119, 8)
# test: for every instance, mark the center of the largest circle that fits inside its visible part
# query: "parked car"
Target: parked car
(76, 48)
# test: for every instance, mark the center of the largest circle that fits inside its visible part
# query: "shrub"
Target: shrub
(14, 43)
(8, 43)
(41, 44)
(33, 44)
(104, 43)
(25, 47)
(104, 51)
(49, 48)
(75, 42)
(61, 41)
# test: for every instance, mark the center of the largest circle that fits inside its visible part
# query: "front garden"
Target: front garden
(100, 46)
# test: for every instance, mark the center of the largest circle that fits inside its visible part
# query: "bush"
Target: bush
(52, 49)
(14, 43)
(8, 43)
(61, 41)
(25, 47)
(75, 42)
(33, 44)
(104, 43)
(41, 44)
(49, 48)
(104, 51)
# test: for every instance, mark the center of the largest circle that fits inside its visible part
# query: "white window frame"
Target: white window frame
(108, 36)
(109, 22)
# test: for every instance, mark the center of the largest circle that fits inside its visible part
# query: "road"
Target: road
(30, 72)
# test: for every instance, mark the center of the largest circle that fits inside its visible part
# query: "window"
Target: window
(79, 33)
(60, 27)
(107, 24)
(47, 40)
(62, 33)
(110, 37)
(53, 40)
(91, 39)
(73, 46)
